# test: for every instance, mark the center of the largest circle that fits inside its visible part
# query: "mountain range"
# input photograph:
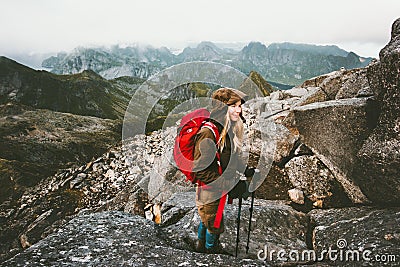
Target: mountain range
(281, 64)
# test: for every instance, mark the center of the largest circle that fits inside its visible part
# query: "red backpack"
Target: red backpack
(184, 143)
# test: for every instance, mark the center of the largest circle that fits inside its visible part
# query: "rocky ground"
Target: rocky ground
(115, 239)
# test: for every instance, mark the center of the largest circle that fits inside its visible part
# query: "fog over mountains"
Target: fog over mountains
(281, 64)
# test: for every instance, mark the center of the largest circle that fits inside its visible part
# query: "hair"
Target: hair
(237, 129)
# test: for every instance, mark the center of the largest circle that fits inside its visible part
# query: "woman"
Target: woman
(226, 115)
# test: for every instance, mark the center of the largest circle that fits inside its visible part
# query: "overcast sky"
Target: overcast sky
(26, 26)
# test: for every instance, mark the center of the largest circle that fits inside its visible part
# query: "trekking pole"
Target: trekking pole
(238, 226)
(251, 215)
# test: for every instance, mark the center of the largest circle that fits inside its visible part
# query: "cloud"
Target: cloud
(48, 25)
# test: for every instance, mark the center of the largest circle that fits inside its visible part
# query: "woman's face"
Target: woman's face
(234, 111)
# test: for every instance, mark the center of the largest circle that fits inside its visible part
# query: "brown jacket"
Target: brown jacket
(206, 166)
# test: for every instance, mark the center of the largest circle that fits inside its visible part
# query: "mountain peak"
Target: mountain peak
(5, 61)
(91, 74)
(207, 44)
(252, 45)
(255, 48)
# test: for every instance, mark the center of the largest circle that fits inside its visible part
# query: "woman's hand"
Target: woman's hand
(249, 172)
(241, 190)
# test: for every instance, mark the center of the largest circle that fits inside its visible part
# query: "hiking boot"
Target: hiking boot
(201, 246)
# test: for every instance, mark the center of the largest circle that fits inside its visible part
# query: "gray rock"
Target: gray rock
(102, 184)
(379, 155)
(315, 81)
(79, 178)
(302, 149)
(114, 239)
(365, 92)
(338, 130)
(357, 230)
(337, 85)
(137, 200)
(296, 195)
(310, 175)
(177, 206)
(273, 105)
(375, 78)
(332, 83)
(315, 94)
(285, 142)
(352, 83)
(275, 185)
(29, 236)
(295, 92)
(277, 95)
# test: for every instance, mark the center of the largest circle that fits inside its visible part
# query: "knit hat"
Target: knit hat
(224, 97)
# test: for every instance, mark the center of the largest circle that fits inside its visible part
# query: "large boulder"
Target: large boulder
(316, 181)
(275, 185)
(285, 142)
(341, 84)
(379, 155)
(329, 83)
(338, 130)
(315, 94)
(355, 83)
(114, 239)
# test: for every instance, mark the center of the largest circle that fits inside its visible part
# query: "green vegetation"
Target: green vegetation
(265, 88)
(177, 96)
(199, 89)
(85, 93)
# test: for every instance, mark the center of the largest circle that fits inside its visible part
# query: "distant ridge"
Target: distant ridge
(86, 93)
(279, 63)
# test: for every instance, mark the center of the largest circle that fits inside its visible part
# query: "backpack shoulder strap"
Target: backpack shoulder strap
(213, 129)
